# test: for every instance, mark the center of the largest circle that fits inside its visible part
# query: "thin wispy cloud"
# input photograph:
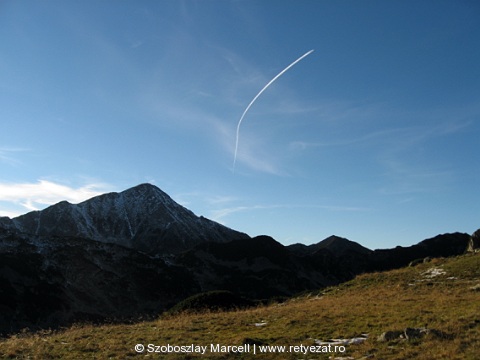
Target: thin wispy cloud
(8, 155)
(221, 199)
(18, 198)
(405, 178)
(168, 108)
(258, 95)
(220, 214)
(304, 145)
(424, 173)
(259, 163)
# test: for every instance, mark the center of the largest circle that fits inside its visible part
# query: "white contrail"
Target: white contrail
(256, 97)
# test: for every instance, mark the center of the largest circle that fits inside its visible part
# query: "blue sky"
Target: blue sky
(373, 137)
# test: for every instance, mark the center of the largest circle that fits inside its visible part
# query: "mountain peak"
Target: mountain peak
(142, 217)
(143, 188)
(339, 245)
(335, 244)
(141, 192)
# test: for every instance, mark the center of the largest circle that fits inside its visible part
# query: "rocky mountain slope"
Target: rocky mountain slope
(142, 218)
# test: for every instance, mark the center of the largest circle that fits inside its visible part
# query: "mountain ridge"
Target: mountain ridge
(142, 217)
(336, 244)
(138, 252)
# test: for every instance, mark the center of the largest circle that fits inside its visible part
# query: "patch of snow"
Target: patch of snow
(433, 272)
(121, 204)
(263, 323)
(37, 230)
(352, 341)
(475, 287)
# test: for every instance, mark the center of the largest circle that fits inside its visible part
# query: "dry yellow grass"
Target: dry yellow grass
(371, 303)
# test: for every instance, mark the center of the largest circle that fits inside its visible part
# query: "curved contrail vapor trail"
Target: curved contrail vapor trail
(256, 97)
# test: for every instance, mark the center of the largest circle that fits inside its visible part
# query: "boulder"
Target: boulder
(474, 242)
(415, 333)
(412, 334)
(415, 262)
(390, 336)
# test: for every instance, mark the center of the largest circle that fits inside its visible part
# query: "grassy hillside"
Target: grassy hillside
(443, 294)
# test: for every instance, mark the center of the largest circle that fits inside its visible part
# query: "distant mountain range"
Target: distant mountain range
(121, 256)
